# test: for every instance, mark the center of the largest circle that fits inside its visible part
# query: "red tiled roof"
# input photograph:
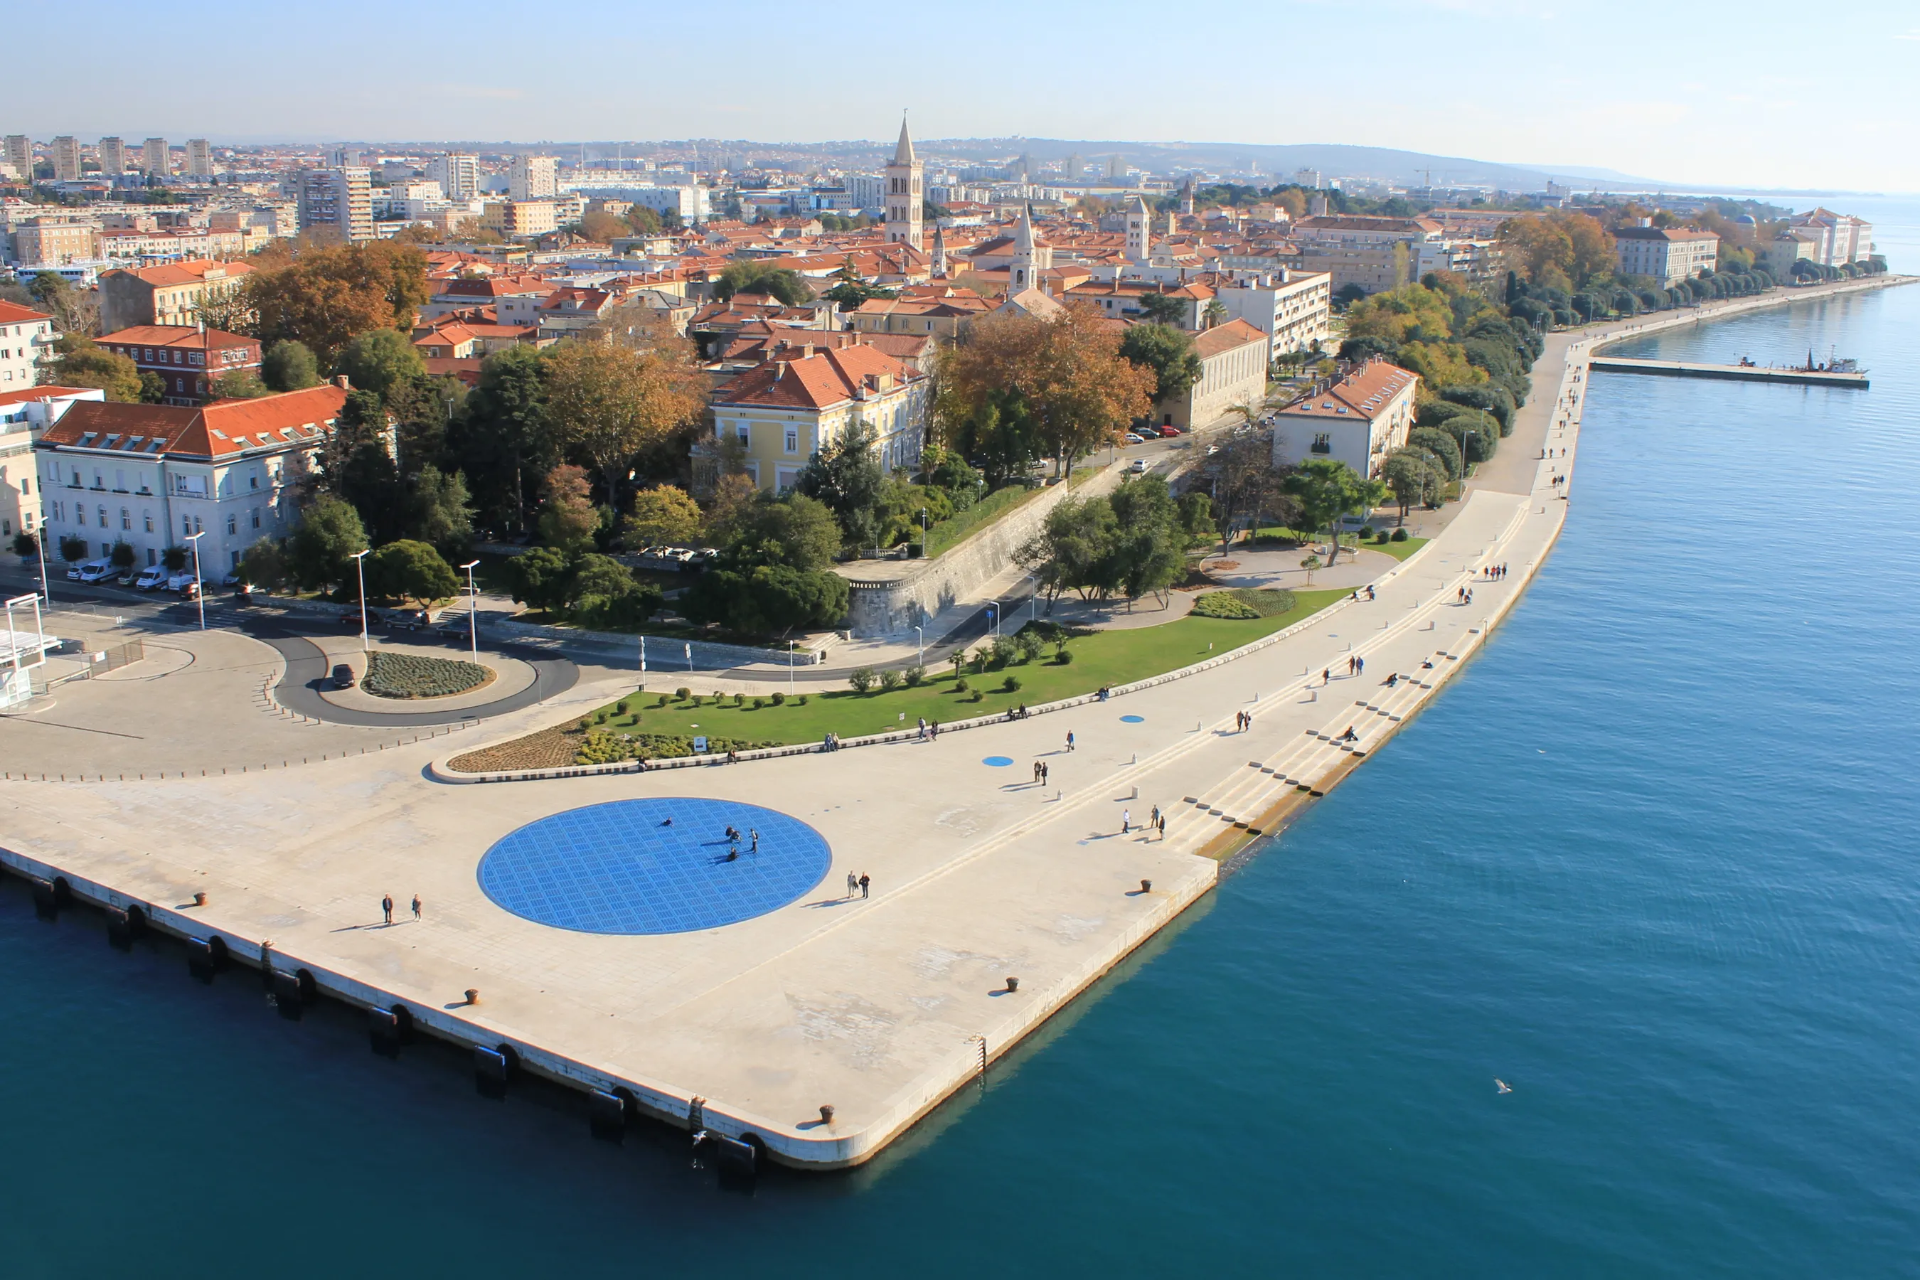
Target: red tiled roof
(20, 395)
(1226, 337)
(221, 429)
(195, 272)
(795, 380)
(13, 313)
(1362, 393)
(186, 336)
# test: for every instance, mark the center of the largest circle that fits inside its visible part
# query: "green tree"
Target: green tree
(357, 467)
(410, 570)
(240, 384)
(1413, 478)
(1169, 353)
(1196, 517)
(73, 311)
(662, 516)
(768, 599)
(440, 514)
(847, 477)
(77, 362)
(264, 564)
(542, 578)
(784, 285)
(319, 552)
(1328, 489)
(1149, 545)
(568, 520)
(1161, 308)
(1073, 550)
(503, 437)
(380, 359)
(1442, 445)
(289, 366)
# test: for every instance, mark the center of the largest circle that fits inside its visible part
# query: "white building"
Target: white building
(1359, 420)
(26, 336)
(1665, 254)
(458, 176)
(337, 199)
(906, 192)
(1234, 359)
(113, 156)
(533, 178)
(1293, 308)
(26, 412)
(1838, 238)
(153, 475)
(154, 157)
(66, 158)
(199, 158)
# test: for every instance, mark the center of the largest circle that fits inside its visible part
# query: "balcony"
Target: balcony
(1320, 446)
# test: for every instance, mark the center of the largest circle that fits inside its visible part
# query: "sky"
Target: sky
(1760, 94)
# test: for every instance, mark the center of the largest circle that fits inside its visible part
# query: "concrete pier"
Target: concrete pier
(819, 1030)
(1730, 372)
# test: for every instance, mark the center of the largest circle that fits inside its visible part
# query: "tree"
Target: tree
(567, 517)
(644, 221)
(542, 578)
(768, 599)
(1072, 551)
(380, 359)
(783, 284)
(598, 224)
(289, 366)
(1162, 308)
(847, 477)
(796, 531)
(410, 570)
(662, 516)
(610, 403)
(1169, 353)
(1149, 548)
(1244, 482)
(1412, 478)
(849, 290)
(1328, 489)
(319, 553)
(1441, 444)
(77, 362)
(327, 295)
(263, 564)
(357, 466)
(1196, 517)
(503, 436)
(439, 513)
(73, 311)
(239, 384)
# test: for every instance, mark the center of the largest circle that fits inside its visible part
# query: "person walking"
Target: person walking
(416, 906)
(1326, 675)
(1069, 739)
(853, 884)
(386, 907)
(755, 833)
(1163, 826)
(1126, 822)
(864, 882)
(1045, 770)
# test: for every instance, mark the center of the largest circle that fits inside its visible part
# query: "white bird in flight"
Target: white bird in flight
(1503, 1085)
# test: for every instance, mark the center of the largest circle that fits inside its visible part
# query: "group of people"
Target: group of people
(1040, 772)
(1463, 596)
(1495, 572)
(858, 884)
(1019, 713)
(831, 742)
(734, 838)
(1155, 825)
(1357, 590)
(930, 729)
(386, 907)
(1242, 721)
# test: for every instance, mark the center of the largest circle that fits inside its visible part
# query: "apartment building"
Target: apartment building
(66, 158)
(170, 294)
(1359, 420)
(533, 178)
(1234, 359)
(337, 200)
(26, 336)
(152, 475)
(1293, 308)
(1837, 238)
(1374, 253)
(186, 357)
(1665, 254)
(458, 176)
(55, 241)
(199, 159)
(25, 412)
(154, 157)
(805, 399)
(518, 218)
(18, 154)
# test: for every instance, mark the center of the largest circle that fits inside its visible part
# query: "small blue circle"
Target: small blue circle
(1133, 719)
(998, 762)
(621, 868)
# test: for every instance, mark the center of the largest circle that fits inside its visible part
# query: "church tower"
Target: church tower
(937, 267)
(1186, 197)
(1139, 232)
(1032, 257)
(905, 193)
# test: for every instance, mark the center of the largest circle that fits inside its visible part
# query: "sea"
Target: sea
(1607, 965)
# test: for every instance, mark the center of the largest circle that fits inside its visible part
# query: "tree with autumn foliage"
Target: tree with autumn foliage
(1071, 382)
(1559, 250)
(325, 296)
(610, 403)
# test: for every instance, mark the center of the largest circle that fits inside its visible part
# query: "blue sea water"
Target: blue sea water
(1653, 860)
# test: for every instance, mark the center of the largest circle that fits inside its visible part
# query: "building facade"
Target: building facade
(1293, 308)
(533, 178)
(337, 200)
(1234, 359)
(1837, 238)
(906, 192)
(26, 336)
(169, 295)
(113, 156)
(53, 241)
(152, 476)
(66, 158)
(26, 412)
(154, 157)
(1375, 254)
(1665, 254)
(199, 159)
(186, 358)
(458, 176)
(1359, 420)
(806, 399)
(514, 218)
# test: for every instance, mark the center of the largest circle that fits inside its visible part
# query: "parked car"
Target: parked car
(454, 626)
(151, 577)
(180, 580)
(1170, 431)
(1134, 437)
(409, 620)
(191, 591)
(342, 676)
(1137, 467)
(350, 619)
(91, 571)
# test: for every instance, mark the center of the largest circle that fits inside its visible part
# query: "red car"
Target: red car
(1169, 432)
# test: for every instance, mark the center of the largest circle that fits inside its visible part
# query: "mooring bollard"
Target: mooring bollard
(826, 1114)
(1146, 886)
(473, 995)
(1013, 984)
(200, 899)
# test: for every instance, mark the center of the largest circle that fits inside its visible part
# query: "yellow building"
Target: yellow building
(805, 399)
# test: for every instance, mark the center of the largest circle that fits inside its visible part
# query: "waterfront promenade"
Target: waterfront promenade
(877, 1007)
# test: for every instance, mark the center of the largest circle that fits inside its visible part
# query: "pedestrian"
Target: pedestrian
(1249, 719)
(1126, 822)
(1069, 739)
(1163, 826)
(864, 882)
(386, 907)
(1045, 771)
(756, 839)
(1154, 818)
(416, 906)
(853, 884)
(1326, 675)
(1360, 664)
(1036, 772)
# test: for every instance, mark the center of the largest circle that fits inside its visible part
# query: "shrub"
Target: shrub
(801, 700)
(739, 699)
(1381, 536)
(1010, 685)
(779, 699)
(1366, 531)
(682, 693)
(409, 675)
(960, 685)
(662, 702)
(1003, 650)
(25, 544)
(759, 703)
(1400, 535)
(861, 678)
(73, 549)
(915, 676)
(1223, 604)
(620, 707)
(1061, 654)
(890, 680)
(978, 695)
(978, 661)
(1030, 643)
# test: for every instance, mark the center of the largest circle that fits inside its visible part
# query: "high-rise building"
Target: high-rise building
(113, 156)
(199, 158)
(1116, 166)
(905, 192)
(19, 154)
(66, 158)
(339, 200)
(533, 178)
(154, 158)
(458, 176)
(343, 157)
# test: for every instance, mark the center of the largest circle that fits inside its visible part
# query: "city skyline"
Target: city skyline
(1644, 95)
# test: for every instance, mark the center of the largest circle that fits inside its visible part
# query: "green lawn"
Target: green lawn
(1103, 658)
(1398, 550)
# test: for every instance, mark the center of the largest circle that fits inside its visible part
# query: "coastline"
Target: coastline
(686, 1016)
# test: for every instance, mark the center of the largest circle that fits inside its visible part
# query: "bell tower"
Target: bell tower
(906, 192)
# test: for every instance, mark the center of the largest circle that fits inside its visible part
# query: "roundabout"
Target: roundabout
(651, 866)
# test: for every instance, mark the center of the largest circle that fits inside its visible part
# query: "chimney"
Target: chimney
(340, 381)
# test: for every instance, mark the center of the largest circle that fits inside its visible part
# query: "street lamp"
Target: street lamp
(40, 544)
(360, 568)
(1033, 598)
(789, 668)
(473, 611)
(993, 612)
(920, 642)
(199, 592)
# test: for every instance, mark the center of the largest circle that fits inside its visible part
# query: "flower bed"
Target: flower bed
(411, 675)
(1244, 603)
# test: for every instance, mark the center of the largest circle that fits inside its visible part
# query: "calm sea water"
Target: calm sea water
(1652, 860)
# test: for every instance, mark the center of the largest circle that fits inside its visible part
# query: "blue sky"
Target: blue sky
(1762, 93)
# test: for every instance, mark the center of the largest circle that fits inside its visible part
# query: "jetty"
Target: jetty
(1733, 372)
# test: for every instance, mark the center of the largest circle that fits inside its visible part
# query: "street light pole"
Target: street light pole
(360, 568)
(40, 542)
(920, 642)
(473, 611)
(199, 591)
(789, 668)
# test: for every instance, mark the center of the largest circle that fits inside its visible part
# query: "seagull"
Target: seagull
(1503, 1085)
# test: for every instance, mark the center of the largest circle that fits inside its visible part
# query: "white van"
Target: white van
(180, 580)
(151, 578)
(95, 570)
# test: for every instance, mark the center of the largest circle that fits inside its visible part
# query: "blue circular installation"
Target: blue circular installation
(655, 865)
(998, 762)
(1133, 719)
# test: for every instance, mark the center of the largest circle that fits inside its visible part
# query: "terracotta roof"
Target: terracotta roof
(13, 313)
(221, 429)
(187, 336)
(21, 395)
(197, 271)
(1363, 393)
(795, 380)
(1226, 337)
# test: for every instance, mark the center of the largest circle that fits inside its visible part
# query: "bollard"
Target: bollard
(200, 899)
(1013, 984)
(826, 1114)
(1146, 886)
(473, 995)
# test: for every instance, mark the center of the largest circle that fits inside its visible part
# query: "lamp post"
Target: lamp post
(993, 612)
(789, 668)
(473, 611)
(360, 569)
(199, 593)
(1033, 598)
(920, 643)
(40, 544)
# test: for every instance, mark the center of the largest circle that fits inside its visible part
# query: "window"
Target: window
(256, 517)
(146, 518)
(793, 439)
(186, 525)
(26, 488)
(103, 518)
(232, 523)
(126, 518)
(255, 481)
(745, 432)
